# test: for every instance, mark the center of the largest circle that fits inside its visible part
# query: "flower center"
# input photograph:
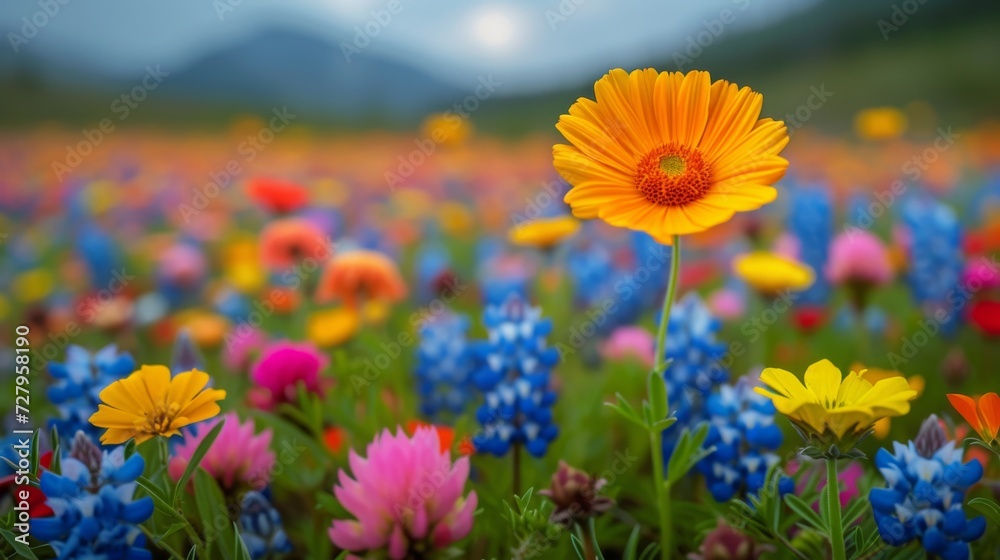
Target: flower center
(673, 175)
(159, 421)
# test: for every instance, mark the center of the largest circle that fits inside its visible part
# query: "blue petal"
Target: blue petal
(974, 529)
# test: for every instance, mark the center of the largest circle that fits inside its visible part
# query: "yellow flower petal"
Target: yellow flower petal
(823, 379)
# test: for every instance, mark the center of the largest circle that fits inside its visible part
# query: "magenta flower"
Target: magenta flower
(280, 369)
(406, 497)
(858, 257)
(630, 342)
(980, 273)
(237, 455)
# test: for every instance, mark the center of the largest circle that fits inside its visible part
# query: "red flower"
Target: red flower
(277, 195)
(810, 318)
(985, 314)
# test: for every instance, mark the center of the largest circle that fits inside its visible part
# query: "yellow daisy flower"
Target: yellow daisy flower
(770, 273)
(543, 233)
(874, 375)
(668, 153)
(831, 409)
(149, 403)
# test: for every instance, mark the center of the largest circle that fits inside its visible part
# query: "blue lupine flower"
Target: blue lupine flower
(95, 515)
(923, 499)
(810, 220)
(261, 528)
(591, 271)
(695, 367)
(78, 383)
(513, 374)
(742, 429)
(99, 253)
(935, 241)
(445, 363)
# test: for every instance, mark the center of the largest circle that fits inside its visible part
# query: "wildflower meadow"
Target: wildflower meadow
(742, 303)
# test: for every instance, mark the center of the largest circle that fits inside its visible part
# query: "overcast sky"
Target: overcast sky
(535, 44)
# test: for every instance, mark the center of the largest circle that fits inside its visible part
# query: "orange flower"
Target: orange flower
(277, 195)
(284, 243)
(984, 416)
(361, 275)
(668, 153)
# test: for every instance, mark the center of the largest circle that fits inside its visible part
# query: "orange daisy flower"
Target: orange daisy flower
(356, 276)
(284, 243)
(277, 195)
(668, 153)
(983, 416)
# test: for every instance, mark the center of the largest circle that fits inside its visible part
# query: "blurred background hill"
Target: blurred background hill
(943, 51)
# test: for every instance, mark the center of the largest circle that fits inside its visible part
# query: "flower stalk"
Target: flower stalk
(833, 509)
(655, 437)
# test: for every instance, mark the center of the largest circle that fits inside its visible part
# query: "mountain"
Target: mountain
(277, 67)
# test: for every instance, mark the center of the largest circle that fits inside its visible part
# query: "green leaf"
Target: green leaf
(627, 411)
(854, 510)
(159, 497)
(170, 531)
(211, 506)
(240, 551)
(989, 508)
(663, 424)
(192, 554)
(578, 546)
(632, 546)
(824, 506)
(196, 458)
(805, 511)
(651, 552)
(687, 453)
(20, 548)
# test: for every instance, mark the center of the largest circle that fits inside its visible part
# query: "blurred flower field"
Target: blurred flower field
(287, 343)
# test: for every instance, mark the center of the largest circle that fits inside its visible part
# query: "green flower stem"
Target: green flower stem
(516, 468)
(668, 302)
(833, 507)
(655, 437)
